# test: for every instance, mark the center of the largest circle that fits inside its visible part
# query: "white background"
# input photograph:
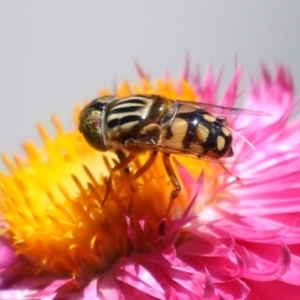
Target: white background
(54, 54)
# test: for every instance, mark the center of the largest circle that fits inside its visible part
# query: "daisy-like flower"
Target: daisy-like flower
(232, 233)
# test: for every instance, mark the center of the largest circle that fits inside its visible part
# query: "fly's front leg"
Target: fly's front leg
(172, 176)
(122, 164)
(121, 156)
(146, 166)
(147, 140)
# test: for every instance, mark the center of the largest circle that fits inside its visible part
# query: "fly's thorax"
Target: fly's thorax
(127, 117)
(159, 110)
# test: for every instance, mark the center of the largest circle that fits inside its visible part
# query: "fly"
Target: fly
(139, 123)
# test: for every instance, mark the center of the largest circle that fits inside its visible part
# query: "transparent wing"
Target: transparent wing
(218, 110)
(237, 118)
(214, 109)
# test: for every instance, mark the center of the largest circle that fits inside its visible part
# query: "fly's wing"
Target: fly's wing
(241, 149)
(237, 118)
(217, 110)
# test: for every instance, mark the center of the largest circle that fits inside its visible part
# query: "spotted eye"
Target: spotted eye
(98, 106)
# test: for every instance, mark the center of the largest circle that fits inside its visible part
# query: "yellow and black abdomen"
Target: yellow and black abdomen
(199, 133)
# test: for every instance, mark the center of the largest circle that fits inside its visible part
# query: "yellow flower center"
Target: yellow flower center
(52, 201)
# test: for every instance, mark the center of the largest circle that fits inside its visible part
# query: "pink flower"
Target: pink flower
(233, 233)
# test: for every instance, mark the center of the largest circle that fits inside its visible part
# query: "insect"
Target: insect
(153, 123)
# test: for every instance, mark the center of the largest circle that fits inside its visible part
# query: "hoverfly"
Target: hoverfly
(139, 123)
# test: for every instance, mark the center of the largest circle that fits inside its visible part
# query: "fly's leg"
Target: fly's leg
(146, 166)
(237, 179)
(172, 176)
(143, 169)
(122, 164)
(121, 156)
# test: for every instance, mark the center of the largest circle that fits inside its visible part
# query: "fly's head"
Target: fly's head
(92, 122)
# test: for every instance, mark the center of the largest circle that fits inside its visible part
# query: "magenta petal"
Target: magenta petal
(199, 246)
(13, 294)
(273, 290)
(91, 291)
(7, 253)
(209, 291)
(234, 290)
(140, 278)
(107, 288)
(186, 71)
(173, 226)
(292, 274)
(53, 288)
(140, 71)
(209, 88)
(264, 266)
(231, 93)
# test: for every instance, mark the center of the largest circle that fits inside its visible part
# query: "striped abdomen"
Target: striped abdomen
(197, 132)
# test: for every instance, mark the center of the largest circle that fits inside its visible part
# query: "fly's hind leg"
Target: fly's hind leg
(237, 178)
(172, 176)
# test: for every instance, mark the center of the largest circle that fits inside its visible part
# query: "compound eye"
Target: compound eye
(98, 106)
(100, 103)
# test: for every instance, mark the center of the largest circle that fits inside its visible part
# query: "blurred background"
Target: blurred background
(54, 54)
